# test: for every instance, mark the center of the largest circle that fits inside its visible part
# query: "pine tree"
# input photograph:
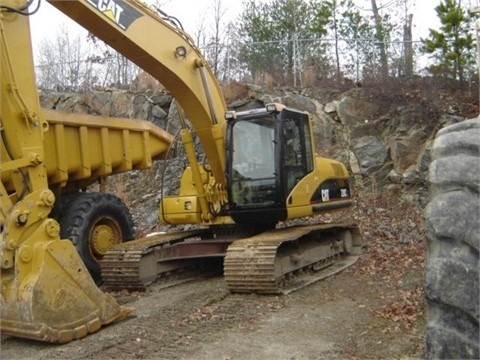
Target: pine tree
(453, 45)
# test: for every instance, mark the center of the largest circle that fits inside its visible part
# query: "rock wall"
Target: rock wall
(386, 146)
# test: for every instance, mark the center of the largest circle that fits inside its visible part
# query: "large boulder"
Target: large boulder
(353, 110)
(371, 154)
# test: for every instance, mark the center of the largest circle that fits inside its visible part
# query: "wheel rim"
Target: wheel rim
(105, 233)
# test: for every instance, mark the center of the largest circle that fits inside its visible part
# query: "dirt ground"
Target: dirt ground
(373, 310)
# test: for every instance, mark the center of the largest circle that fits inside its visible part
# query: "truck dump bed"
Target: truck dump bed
(80, 148)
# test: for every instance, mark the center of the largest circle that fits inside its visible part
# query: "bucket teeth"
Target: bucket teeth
(53, 298)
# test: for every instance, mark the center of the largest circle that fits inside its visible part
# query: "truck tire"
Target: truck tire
(61, 205)
(94, 222)
(452, 224)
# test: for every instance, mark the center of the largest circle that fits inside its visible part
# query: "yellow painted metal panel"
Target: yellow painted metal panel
(86, 147)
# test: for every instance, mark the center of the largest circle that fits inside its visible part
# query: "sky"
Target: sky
(46, 22)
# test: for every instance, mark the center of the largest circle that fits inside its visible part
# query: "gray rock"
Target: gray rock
(394, 177)
(371, 154)
(412, 177)
(354, 111)
(331, 107)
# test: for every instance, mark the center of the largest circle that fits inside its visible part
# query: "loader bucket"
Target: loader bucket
(49, 295)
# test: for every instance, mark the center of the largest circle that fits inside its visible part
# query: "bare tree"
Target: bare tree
(380, 37)
(408, 46)
(407, 55)
(200, 35)
(115, 69)
(64, 63)
(215, 46)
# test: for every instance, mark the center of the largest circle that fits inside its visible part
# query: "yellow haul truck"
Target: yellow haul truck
(259, 169)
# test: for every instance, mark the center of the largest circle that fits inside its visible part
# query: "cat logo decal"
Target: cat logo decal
(118, 11)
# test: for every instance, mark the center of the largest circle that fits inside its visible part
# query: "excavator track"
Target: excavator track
(275, 261)
(132, 265)
(283, 260)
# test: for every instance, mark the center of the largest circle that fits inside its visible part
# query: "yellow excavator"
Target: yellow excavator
(259, 170)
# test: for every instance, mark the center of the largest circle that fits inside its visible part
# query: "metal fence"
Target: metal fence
(297, 60)
(293, 62)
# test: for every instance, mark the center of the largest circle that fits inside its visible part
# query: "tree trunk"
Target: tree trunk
(335, 32)
(380, 36)
(408, 46)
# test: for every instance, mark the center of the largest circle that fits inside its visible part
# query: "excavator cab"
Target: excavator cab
(271, 167)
